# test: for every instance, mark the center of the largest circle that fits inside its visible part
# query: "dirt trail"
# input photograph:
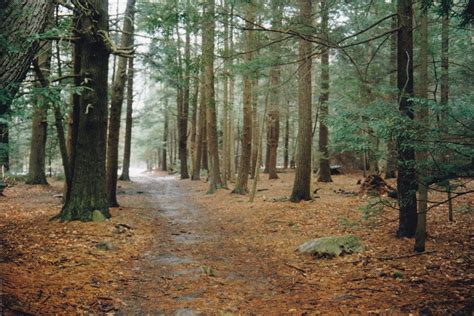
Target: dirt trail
(190, 265)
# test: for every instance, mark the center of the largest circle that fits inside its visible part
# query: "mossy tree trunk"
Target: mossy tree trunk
(20, 22)
(88, 187)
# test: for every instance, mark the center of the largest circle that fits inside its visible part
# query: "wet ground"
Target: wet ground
(190, 263)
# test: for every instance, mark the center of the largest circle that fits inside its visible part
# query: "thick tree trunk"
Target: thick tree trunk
(324, 169)
(422, 156)
(36, 172)
(302, 182)
(406, 181)
(244, 165)
(127, 151)
(20, 22)
(208, 63)
(391, 169)
(88, 188)
(116, 106)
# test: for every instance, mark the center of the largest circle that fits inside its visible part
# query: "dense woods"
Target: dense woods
(258, 100)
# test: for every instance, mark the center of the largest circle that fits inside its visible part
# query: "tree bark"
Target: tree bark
(20, 22)
(127, 151)
(302, 182)
(246, 151)
(273, 116)
(164, 156)
(286, 141)
(183, 105)
(255, 131)
(201, 131)
(36, 172)
(391, 169)
(324, 168)
(211, 116)
(422, 156)
(88, 188)
(118, 88)
(406, 181)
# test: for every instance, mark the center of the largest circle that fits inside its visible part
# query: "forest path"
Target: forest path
(191, 267)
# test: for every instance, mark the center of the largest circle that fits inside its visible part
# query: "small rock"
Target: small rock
(97, 216)
(432, 266)
(104, 245)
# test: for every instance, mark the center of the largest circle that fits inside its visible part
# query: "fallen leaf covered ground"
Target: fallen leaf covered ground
(171, 248)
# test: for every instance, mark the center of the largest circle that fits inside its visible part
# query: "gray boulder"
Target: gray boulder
(332, 246)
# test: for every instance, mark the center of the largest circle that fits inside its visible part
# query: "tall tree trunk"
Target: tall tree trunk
(127, 151)
(20, 22)
(88, 188)
(273, 117)
(225, 114)
(324, 169)
(391, 169)
(422, 156)
(36, 173)
(208, 63)
(255, 136)
(406, 181)
(116, 106)
(201, 131)
(194, 118)
(287, 141)
(302, 182)
(244, 165)
(183, 109)
(232, 125)
(164, 148)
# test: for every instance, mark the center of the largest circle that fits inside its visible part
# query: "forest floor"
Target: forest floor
(172, 249)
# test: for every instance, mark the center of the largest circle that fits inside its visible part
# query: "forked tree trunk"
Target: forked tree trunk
(36, 172)
(406, 181)
(20, 22)
(116, 106)
(302, 182)
(324, 169)
(244, 164)
(88, 188)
